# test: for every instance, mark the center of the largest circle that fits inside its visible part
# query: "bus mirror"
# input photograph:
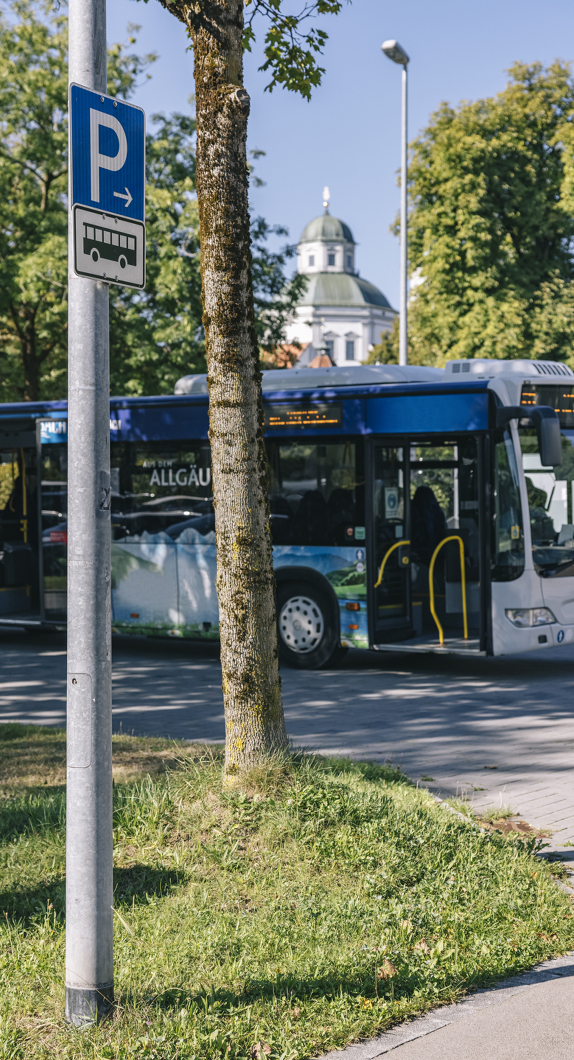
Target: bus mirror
(547, 424)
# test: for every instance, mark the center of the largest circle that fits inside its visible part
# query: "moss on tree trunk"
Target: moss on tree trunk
(254, 719)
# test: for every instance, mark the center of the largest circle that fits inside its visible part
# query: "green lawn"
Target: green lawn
(324, 902)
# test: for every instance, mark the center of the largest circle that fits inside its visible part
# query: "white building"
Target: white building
(340, 313)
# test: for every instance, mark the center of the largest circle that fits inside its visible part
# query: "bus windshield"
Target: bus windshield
(550, 497)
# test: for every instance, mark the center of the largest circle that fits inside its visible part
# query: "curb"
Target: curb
(557, 968)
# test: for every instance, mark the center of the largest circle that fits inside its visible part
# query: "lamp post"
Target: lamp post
(393, 50)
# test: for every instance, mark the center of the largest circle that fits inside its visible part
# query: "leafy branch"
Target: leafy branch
(290, 54)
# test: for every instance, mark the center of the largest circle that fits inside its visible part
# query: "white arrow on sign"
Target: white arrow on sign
(120, 195)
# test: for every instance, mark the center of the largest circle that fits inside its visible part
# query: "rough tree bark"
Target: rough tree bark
(254, 720)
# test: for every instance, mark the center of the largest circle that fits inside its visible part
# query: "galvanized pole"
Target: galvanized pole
(89, 933)
(403, 324)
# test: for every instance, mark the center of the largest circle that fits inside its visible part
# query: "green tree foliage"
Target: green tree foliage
(387, 350)
(156, 335)
(33, 201)
(274, 298)
(33, 173)
(290, 51)
(492, 222)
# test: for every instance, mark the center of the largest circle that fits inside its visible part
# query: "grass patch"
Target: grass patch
(323, 902)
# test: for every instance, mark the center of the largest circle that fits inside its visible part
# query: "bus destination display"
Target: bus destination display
(303, 416)
(557, 396)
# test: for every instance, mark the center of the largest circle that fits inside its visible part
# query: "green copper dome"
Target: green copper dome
(341, 289)
(325, 228)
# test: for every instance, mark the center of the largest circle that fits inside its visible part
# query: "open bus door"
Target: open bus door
(33, 523)
(428, 570)
(19, 537)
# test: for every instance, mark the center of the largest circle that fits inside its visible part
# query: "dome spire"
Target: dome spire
(326, 198)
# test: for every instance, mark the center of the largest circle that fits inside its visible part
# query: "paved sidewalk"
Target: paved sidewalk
(529, 1017)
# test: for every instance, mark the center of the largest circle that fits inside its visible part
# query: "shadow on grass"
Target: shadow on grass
(133, 886)
(138, 883)
(408, 984)
(35, 812)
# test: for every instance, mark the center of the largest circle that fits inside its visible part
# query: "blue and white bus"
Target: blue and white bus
(412, 509)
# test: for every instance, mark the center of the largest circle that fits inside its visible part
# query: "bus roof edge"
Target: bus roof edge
(306, 378)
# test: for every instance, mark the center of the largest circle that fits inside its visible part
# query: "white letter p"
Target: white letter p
(98, 161)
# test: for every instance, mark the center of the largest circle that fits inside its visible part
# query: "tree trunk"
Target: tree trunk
(254, 720)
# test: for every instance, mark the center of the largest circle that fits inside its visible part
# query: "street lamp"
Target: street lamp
(393, 50)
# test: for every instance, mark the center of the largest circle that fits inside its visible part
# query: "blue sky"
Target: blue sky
(348, 136)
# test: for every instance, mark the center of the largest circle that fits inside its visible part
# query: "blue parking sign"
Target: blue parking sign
(107, 140)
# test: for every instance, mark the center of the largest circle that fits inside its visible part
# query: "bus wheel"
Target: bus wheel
(122, 262)
(307, 636)
(95, 255)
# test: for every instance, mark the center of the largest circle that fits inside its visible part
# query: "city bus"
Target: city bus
(412, 509)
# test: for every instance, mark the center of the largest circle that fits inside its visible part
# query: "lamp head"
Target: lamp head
(393, 50)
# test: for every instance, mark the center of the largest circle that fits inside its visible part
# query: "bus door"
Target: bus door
(427, 540)
(19, 589)
(53, 462)
(389, 574)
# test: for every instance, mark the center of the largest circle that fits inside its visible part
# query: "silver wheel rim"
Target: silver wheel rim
(301, 624)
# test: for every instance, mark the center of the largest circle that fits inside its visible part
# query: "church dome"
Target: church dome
(326, 227)
(341, 289)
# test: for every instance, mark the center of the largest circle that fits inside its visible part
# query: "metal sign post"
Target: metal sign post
(103, 146)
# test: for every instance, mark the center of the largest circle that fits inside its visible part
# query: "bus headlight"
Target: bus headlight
(530, 616)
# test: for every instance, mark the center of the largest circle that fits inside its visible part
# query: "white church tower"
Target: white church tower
(339, 314)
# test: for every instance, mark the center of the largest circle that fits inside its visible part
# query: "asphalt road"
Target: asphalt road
(445, 718)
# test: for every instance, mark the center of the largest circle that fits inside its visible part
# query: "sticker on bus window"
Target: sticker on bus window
(514, 532)
(52, 431)
(391, 502)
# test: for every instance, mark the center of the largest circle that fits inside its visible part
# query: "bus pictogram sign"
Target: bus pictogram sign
(109, 248)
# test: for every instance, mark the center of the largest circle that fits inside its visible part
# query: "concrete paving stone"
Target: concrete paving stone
(456, 1011)
(564, 965)
(549, 791)
(383, 1045)
(561, 809)
(537, 1024)
(407, 1032)
(551, 795)
(484, 998)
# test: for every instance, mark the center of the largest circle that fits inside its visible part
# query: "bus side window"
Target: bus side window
(507, 523)
(315, 497)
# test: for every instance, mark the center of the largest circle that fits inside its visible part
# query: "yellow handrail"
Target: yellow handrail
(385, 558)
(24, 519)
(454, 537)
